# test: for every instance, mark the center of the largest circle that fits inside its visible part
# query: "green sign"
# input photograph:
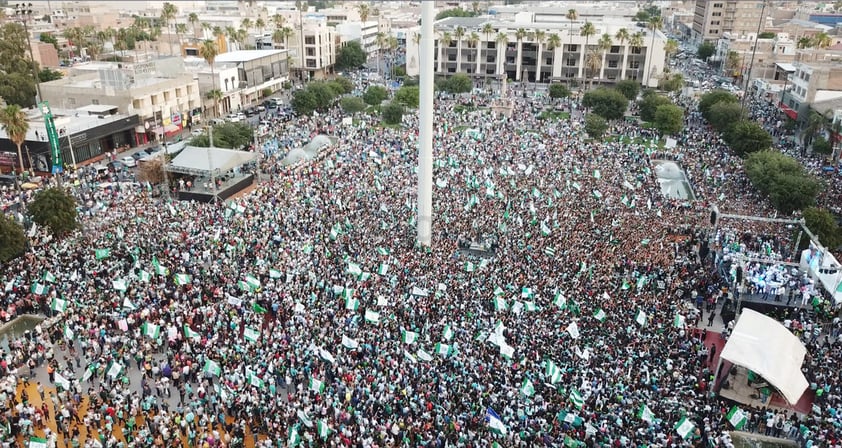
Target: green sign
(52, 134)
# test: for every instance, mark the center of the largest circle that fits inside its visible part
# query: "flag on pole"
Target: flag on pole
(645, 414)
(408, 337)
(685, 427)
(553, 372)
(255, 380)
(560, 301)
(576, 399)
(372, 317)
(469, 267)
(99, 254)
(59, 305)
(39, 289)
(128, 304)
(257, 308)
(443, 349)
(212, 367)
(383, 269)
(182, 279)
(49, 277)
(499, 304)
(274, 273)
(526, 388)
(495, 423)
(151, 330)
(119, 285)
(190, 334)
(447, 334)
(423, 356)
(322, 429)
(599, 315)
(737, 417)
(640, 318)
(251, 335)
(351, 303)
(316, 385)
(349, 343)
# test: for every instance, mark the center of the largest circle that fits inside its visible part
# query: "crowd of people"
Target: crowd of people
(304, 313)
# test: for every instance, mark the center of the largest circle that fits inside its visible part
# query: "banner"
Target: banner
(52, 135)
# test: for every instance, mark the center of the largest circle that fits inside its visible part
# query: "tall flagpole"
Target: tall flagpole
(425, 132)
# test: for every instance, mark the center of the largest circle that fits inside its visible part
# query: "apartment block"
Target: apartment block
(712, 19)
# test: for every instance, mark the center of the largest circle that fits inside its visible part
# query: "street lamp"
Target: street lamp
(24, 12)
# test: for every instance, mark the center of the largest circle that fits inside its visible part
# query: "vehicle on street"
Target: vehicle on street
(129, 161)
(233, 118)
(138, 155)
(197, 132)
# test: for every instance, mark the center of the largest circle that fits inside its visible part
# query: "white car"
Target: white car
(129, 161)
(234, 118)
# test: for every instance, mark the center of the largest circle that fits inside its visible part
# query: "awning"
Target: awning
(789, 112)
(764, 346)
(203, 160)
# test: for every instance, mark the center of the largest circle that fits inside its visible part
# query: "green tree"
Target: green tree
(352, 104)
(783, 180)
(226, 135)
(323, 93)
(823, 224)
(55, 209)
(707, 101)
(458, 83)
(822, 146)
(374, 95)
(303, 102)
(48, 39)
(350, 57)
(408, 96)
(671, 82)
(347, 84)
(17, 85)
(669, 119)
(608, 103)
(595, 126)
(559, 91)
(392, 113)
(455, 12)
(746, 137)
(650, 103)
(12, 239)
(629, 88)
(705, 50)
(725, 114)
(47, 74)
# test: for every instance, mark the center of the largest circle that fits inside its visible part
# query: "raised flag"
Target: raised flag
(469, 267)
(190, 334)
(349, 343)
(560, 301)
(685, 427)
(128, 304)
(354, 269)
(274, 273)
(324, 354)
(251, 335)
(372, 317)
(678, 322)
(410, 357)
(293, 439)
(316, 385)
(382, 251)
(151, 330)
(383, 269)
(530, 306)
(61, 381)
(255, 380)
(737, 418)
(640, 318)
(408, 337)
(182, 279)
(212, 367)
(527, 293)
(545, 230)
(443, 349)
(495, 423)
(114, 369)
(145, 276)
(36, 442)
(257, 308)
(447, 334)
(253, 282)
(645, 414)
(552, 372)
(599, 315)
(99, 254)
(59, 305)
(322, 429)
(573, 329)
(351, 303)
(423, 356)
(39, 289)
(49, 277)
(119, 285)
(500, 304)
(576, 399)
(526, 388)
(159, 269)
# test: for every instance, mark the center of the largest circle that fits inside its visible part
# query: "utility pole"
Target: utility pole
(753, 52)
(425, 131)
(24, 12)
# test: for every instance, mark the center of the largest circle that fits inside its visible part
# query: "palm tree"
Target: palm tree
(622, 36)
(459, 34)
(654, 24)
(206, 28)
(216, 95)
(732, 63)
(168, 13)
(260, 24)
(587, 31)
(180, 29)
(193, 19)
(487, 29)
(282, 35)
(302, 7)
(502, 40)
(246, 24)
(671, 47)
(208, 51)
(553, 43)
(636, 42)
(604, 45)
(815, 123)
(572, 16)
(381, 40)
(520, 34)
(473, 42)
(540, 36)
(14, 123)
(364, 11)
(444, 41)
(593, 62)
(231, 34)
(278, 20)
(804, 42)
(242, 37)
(821, 40)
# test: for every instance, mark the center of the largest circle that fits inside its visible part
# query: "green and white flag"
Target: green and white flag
(39, 289)
(99, 254)
(49, 277)
(645, 414)
(599, 315)
(159, 269)
(560, 301)
(382, 251)
(530, 306)
(364, 276)
(372, 317)
(352, 303)
(423, 356)
(383, 269)
(128, 304)
(685, 427)
(253, 282)
(597, 174)
(469, 267)
(322, 429)
(498, 291)
(678, 322)
(526, 388)
(597, 194)
(447, 334)
(499, 304)
(549, 251)
(182, 279)
(61, 381)
(68, 333)
(545, 230)
(640, 318)
(190, 334)
(354, 269)
(274, 273)
(294, 439)
(576, 399)
(59, 305)
(443, 349)
(145, 276)
(250, 334)
(737, 418)
(212, 367)
(119, 285)
(151, 330)
(349, 343)
(552, 372)
(527, 293)
(316, 385)
(255, 380)
(408, 337)
(36, 442)
(114, 369)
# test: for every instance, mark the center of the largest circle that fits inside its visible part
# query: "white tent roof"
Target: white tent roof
(766, 347)
(193, 158)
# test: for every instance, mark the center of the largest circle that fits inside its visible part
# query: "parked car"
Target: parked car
(197, 132)
(250, 112)
(216, 121)
(138, 155)
(129, 161)
(261, 108)
(233, 118)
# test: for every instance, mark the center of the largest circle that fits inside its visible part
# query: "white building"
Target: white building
(320, 41)
(224, 77)
(257, 71)
(363, 32)
(490, 48)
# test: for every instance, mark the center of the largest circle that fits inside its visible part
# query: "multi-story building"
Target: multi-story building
(316, 58)
(161, 92)
(543, 51)
(225, 77)
(714, 18)
(816, 85)
(363, 32)
(257, 71)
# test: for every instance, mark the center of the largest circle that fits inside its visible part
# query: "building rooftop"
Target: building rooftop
(246, 55)
(72, 120)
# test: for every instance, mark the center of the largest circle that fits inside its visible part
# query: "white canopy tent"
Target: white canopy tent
(766, 347)
(202, 161)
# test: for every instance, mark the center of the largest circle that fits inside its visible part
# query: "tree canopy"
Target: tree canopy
(669, 119)
(559, 91)
(823, 224)
(629, 88)
(226, 135)
(351, 56)
(17, 85)
(649, 104)
(707, 101)
(725, 114)
(705, 50)
(746, 137)
(12, 239)
(352, 104)
(458, 83)
(455, 12)
(607, 103)
(595, 125)
(408, 96)
(374, 95)
(392, 113)
(783, 180)
(55, 209)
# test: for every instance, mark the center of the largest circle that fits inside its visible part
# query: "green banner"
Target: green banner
(52, 134)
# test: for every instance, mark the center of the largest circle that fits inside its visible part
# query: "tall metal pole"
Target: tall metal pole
(70, 145)
(753, 52)
(425, 132)
(24, 11)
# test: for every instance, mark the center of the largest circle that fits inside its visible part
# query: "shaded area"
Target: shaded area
(17, 329)
(673, 180)
(742, 439)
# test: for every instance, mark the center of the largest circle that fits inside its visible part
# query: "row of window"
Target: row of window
(545, 75)
(615, 49)
(569, 62)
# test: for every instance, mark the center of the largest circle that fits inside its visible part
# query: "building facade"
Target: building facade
(543, 52)
(816, 85)
(712, 19)
(312, 48)
(257, 70)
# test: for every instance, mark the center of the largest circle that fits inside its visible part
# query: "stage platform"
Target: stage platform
(228, 189)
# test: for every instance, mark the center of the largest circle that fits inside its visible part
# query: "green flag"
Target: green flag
(99, 254)
(257, 308)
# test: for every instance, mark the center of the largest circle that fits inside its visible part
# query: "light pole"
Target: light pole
(425, 131)
(753, 52)
(24, 12)
(70, 145)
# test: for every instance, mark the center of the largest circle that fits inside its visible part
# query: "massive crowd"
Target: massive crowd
(304, 313)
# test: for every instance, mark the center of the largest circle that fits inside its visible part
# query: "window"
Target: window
(311, 52)
(96, 102)
(634, 64)
(717, 14)
(615, 49)
(571, 62)
(717, 5)
(714, 22)
(807, 78)
(309, 40)
(311, 63)
(636, 50)
(71, 101)
(572, 48)
(612, 64)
